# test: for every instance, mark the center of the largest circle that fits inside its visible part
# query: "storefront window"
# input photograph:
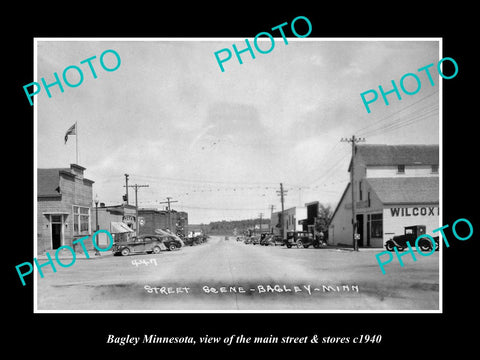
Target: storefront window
(81, 220)
(376, 226)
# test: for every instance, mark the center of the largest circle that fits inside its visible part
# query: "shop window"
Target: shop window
(81, 220)
(376, 226)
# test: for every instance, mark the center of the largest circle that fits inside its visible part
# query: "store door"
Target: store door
(360, 229)
(56, 223)
(56, 236)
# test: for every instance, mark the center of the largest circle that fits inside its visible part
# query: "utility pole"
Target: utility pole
(136, 186)
(169, 217)
(272, 207)
(126, 185)
(353, 140)
(282, 194)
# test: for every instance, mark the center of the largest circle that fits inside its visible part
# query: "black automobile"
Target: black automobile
(141, 244)
(171, 241)
(301, 239)
(411, 233)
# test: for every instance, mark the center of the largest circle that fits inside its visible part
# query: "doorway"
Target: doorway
(360, 229)
(56, 223)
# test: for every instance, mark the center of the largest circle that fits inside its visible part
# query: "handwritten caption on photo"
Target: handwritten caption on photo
(259, 289)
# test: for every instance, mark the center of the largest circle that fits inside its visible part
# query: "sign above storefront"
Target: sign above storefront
(128, 219)
(414, 211)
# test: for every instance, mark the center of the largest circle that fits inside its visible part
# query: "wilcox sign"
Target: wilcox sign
(415, 211)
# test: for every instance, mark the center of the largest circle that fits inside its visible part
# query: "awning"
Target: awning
(119, 227)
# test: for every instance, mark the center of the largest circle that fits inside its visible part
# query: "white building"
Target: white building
(292, 217)
(395, 186)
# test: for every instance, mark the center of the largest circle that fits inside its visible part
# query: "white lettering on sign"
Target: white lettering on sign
(415, 211)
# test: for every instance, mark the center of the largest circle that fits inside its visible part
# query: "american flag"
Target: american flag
(71, 131)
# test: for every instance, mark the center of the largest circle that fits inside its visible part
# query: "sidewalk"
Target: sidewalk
(65, 254)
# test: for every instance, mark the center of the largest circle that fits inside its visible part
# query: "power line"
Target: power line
(359, 130)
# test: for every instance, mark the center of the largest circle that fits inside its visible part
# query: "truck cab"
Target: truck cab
(410, 235)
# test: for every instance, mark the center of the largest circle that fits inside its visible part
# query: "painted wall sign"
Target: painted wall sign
(415, 211)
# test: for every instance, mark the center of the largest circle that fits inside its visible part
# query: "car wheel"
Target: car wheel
(125, 251)
(156, 250)
(425, 245)
(172, 247)
(289, 246)
(389, 246)
(306, 246)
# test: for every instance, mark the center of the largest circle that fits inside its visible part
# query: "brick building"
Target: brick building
(151, 219)
(64, 202)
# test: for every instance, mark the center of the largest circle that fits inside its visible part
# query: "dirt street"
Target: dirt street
(229, 275)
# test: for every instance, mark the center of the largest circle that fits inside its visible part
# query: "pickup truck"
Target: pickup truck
(411, 233)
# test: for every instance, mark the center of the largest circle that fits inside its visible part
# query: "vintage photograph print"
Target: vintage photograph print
(280, 173)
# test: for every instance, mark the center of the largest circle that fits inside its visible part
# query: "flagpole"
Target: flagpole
(76, 140)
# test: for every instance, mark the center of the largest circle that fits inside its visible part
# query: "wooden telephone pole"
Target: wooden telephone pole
(282, 194)
(353, 140)
(136, 186)
(169, 209)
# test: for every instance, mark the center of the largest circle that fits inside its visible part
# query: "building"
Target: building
(64, 201)
(292, 222)
(395, 186)
(119, 220)
(151, 219)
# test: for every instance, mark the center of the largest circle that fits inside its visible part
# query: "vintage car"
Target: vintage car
(140, 244)
(301, 239)
(264, 237)
(411, 233)
(255, 239)
(171, 241)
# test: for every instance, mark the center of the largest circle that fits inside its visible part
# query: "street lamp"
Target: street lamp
(97, 253)
(96, 212)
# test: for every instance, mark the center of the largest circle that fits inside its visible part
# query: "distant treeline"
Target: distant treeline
(227, 227)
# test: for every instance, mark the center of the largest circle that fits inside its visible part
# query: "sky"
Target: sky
(220, 143)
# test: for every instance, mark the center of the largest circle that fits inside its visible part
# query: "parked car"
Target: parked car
(171, 241)
(256, 239)
(140, 244)
(410, 234)
(248, 240)
(263, 237)
(301, 239)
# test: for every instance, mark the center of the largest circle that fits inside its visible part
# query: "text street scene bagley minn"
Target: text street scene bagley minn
(262, 174)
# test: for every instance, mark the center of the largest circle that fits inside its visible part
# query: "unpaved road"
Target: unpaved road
(229, 276)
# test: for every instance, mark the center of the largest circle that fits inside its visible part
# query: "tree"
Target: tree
(323, 218)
